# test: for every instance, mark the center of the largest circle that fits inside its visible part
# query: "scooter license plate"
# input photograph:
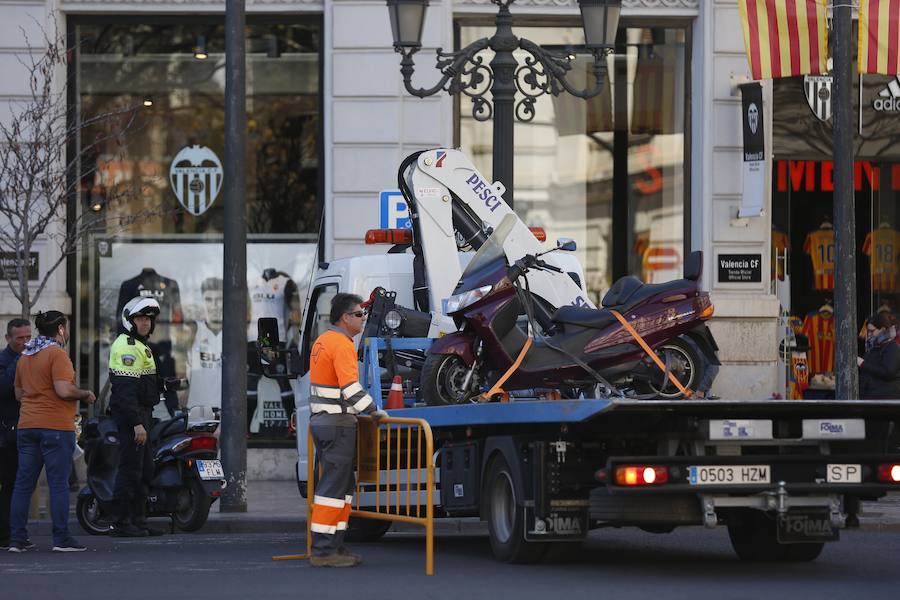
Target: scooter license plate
(210, 469)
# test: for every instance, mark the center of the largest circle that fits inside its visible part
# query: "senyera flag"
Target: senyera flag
(785, 38)
(879, 37)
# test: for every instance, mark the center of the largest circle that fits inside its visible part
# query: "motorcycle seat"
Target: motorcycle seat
(631, 291)
(166, 428)
(583, 317)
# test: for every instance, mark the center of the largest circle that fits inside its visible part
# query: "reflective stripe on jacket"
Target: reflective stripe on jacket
(334, 376)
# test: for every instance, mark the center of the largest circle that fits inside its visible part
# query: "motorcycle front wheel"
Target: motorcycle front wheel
(684, 360)
(442, 380)
(88, 512)
(193, 506)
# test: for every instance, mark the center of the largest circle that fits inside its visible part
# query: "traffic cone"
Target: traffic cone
(395, 396)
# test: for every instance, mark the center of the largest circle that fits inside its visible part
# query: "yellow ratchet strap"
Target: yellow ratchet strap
(497, 388)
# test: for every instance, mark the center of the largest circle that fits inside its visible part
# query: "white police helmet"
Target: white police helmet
(139, 306)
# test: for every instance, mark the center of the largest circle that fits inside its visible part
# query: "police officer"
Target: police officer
(336, 397)
(136, 389)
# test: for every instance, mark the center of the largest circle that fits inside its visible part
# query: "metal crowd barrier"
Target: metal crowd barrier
(396, 456)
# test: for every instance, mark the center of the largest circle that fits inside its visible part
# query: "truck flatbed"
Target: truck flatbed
(523, 411)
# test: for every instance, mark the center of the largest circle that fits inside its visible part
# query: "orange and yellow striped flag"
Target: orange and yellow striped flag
(785, 38)
(879, 37)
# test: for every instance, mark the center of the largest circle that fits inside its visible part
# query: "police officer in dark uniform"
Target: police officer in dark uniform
(136, 389)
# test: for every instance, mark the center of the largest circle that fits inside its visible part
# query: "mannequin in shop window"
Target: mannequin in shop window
(882, 246)
(818, 327)
(879, 367)
(819, 245)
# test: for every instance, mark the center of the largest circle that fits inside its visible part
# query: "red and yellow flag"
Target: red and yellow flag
(879, 37)
(785, 38)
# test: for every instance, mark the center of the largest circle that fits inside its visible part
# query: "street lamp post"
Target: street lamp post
(543, 71)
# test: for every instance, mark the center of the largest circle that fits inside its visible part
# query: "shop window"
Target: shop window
(164, 174)
(609, 172)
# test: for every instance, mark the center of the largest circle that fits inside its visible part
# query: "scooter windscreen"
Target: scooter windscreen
(489, 253)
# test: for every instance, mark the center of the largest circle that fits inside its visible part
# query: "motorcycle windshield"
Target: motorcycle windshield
(492, 249)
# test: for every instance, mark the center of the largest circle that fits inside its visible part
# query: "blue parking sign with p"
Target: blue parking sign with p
(394, 211)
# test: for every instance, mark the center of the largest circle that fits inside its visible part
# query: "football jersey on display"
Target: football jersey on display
(150, 284)
(882, 246)
(270, 298)
(819, 328)
(820, 246)
(204, 368)
(780, 244)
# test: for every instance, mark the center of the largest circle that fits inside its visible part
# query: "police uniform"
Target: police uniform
(336, 397)
(135, 391)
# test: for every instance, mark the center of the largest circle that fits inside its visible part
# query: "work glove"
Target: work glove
(377, 415)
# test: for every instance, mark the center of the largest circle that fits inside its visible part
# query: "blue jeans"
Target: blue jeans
(42, 448)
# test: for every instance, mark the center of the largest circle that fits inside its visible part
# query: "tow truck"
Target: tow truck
(784, 476)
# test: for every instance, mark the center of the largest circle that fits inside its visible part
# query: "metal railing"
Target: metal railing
(397, 456)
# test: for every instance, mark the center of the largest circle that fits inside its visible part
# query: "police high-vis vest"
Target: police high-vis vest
(334, 377)
(135, 384)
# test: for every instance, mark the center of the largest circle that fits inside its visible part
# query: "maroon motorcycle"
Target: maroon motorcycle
(585, 352)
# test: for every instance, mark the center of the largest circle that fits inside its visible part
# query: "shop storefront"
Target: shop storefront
(802, 202)
(165, 173)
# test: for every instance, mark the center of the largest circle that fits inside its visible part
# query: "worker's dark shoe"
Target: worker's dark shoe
(356, 557)
(127, 530)
(333, 560)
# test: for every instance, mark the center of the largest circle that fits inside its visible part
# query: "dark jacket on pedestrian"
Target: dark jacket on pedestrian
(135, 382)
(879, 374)
(9, 406)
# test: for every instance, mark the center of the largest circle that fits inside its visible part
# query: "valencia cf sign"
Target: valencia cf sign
(196, 176)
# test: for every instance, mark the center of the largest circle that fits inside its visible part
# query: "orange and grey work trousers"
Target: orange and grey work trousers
(335, 451)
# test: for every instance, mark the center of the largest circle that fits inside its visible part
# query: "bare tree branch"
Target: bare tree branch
(41, 176)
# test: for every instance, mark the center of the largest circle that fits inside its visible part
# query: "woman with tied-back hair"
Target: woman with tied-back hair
(45, 388)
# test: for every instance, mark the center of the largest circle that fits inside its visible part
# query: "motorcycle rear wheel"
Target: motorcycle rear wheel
(193, 506)
(88, 512)
(442, 378)
(685, 361)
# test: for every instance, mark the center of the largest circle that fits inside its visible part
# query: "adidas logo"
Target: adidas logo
(888, 99)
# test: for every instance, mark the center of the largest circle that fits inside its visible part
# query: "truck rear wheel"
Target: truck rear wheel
(506, 517)
(442, 380)
(754, 538)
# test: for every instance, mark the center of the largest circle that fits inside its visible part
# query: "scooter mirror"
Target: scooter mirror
(567, 244)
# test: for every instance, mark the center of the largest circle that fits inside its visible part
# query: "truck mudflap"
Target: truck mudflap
(863, 475)
(566, 521)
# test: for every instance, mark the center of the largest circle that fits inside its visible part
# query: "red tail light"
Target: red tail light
(203, 442)
(889, 473)
(641, 475)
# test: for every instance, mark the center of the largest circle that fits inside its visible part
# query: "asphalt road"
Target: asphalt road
(689, 563)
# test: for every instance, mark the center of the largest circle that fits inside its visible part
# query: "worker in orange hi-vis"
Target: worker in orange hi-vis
(336, 397)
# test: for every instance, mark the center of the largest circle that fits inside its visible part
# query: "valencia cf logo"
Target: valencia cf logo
(818, 95)
(196, 176)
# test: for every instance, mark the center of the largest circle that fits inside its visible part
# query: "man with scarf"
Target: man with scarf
(136, 389)
(879, 367)
(48, 399)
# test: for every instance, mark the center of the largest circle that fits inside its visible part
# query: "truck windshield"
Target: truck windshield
(492, 249)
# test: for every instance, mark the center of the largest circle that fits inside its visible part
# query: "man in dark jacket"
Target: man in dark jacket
(18, 332)
(879, 368)
(135, 391)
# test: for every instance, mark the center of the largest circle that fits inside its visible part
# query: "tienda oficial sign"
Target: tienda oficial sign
(818, 176)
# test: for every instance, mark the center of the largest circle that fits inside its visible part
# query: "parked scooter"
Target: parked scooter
(584, 348)
(187, 476)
